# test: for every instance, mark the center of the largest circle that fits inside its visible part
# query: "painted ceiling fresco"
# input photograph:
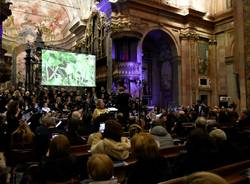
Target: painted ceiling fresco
(51, 17)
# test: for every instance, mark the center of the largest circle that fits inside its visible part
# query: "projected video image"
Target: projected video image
(67, 69)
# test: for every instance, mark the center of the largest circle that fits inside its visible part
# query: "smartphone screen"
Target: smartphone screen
(26, 116)
(102, 127)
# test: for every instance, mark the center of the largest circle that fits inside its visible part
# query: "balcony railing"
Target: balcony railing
(126, 69)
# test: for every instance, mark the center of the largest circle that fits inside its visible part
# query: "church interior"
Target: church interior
(149, 62)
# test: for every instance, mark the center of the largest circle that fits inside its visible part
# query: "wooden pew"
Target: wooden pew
(172, 151)
(121, 170)
(82, 153)
(168, 152)
(80, 150)
(231, 173)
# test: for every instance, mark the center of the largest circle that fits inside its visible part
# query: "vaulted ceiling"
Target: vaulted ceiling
(53, 17)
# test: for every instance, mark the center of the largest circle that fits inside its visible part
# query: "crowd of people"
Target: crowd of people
(50, 121)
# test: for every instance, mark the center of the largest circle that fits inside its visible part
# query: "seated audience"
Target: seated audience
(3, 169)
(228, 152)
(76, 115)
(244, 120)
(44, 134)
(204, 178)
(59, 165)
(100, 168)
(201, 153)
(201, 123)
(72, 133)
(162, 137)
(150, 167)
(112, 144)
(23, 137)
(134, 129)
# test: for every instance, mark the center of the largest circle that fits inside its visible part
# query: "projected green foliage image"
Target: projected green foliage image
(67, 69)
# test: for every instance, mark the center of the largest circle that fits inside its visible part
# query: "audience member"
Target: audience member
(22, 137)
(59, 165)
(112, 144)
(74, 137)
(3, 169)
(201, 123)
(244, 120)
(13, 115)
(162, 137)
(204, 178)
(44, 134)
(100, 168)
(228, 152)
(134, 129)
(201, 153)
(150, 167)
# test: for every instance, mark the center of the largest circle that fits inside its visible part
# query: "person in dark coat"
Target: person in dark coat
(201, 153)
(150, 167)
(122, 103)
(59, 165)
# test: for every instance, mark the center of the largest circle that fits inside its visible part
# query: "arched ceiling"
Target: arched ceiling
(53, 17)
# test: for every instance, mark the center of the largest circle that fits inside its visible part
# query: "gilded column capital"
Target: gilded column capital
(189, 36)
(120, 23)
(212, 42)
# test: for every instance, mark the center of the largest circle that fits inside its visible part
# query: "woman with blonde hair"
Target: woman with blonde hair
(59, 165)
(100, 109)
(100, 169)
(204, 178)
(112, 143)
(150, 167)
(22, 136)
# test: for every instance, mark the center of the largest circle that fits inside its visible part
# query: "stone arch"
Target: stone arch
(167, 31)
(159, 63)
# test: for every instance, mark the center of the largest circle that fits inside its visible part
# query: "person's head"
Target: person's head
(199, 142)
(121, 90)
(73, 125)
(100, 104)
(201, 122)
(12, 107)
(244, 114)
(100, 167)
(49, 121)
(134, 129)
(204, 178)
(16, 94)
(27, 93)
(218, 135)
(59, 146)
(159, 130)
(23, 134)
(144, 147)
(76, 115)
(113, 130)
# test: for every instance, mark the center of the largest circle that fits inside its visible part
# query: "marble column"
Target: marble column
(241, 19)
(231, 78)
(189, 79)
(109, 62)
(212, 71)
(246, 28)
